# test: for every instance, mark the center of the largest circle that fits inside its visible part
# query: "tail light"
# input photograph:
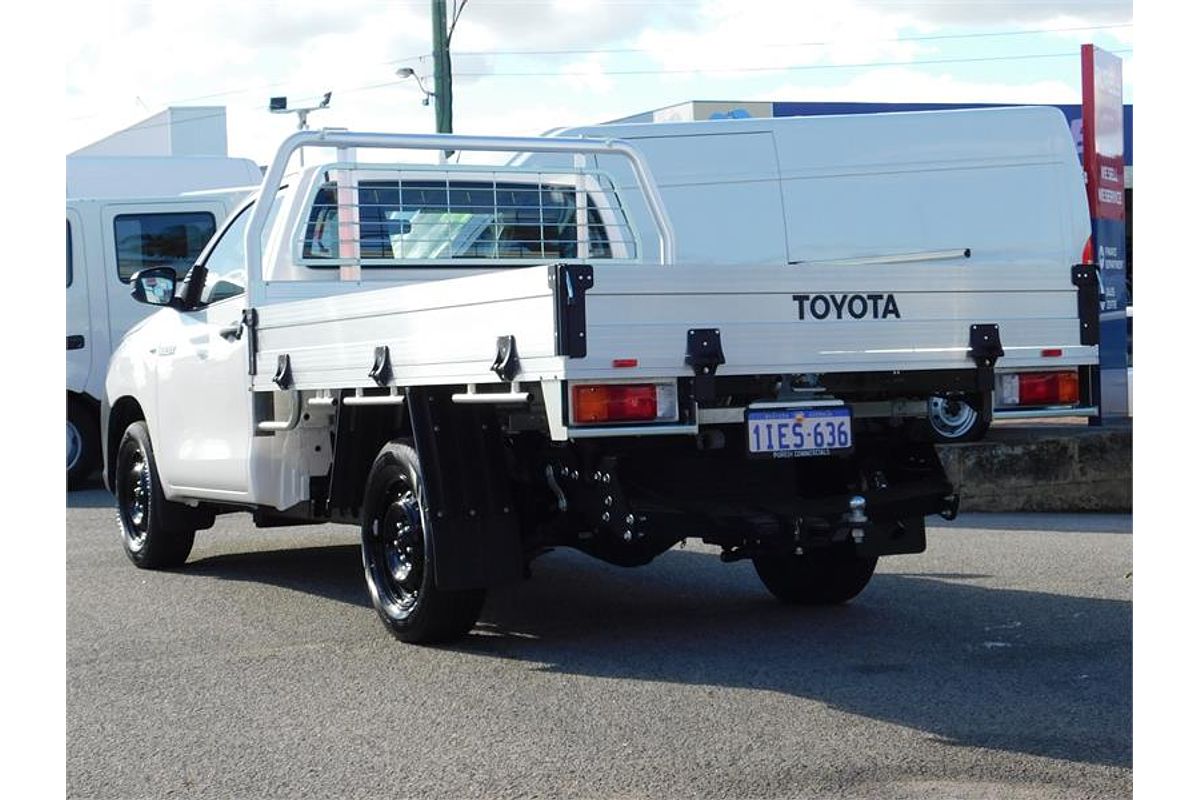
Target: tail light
(600, 403)
(1088, 253)
(1039, 389)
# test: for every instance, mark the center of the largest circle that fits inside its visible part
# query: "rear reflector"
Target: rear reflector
(1039, 389)
(1052, 352)
(600, 403)
(624, 363)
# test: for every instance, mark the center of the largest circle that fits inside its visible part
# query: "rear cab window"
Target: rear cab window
(433, 220)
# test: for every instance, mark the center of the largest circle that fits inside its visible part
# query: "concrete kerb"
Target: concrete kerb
(1045, 468)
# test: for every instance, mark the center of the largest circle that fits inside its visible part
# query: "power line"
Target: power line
(797, 68)
(618, 50)
(773, 45)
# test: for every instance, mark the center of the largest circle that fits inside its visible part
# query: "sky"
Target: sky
(524, 66)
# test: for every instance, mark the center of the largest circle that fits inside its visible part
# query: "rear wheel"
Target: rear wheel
(817, 578)
(83, 442)
(959, 418)
(397, 548)
(150, 529)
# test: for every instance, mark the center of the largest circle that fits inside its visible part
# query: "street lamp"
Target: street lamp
(407, 72)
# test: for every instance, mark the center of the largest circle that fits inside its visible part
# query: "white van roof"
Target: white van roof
(155, 176)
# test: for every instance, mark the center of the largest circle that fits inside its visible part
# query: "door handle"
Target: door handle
(231, 332)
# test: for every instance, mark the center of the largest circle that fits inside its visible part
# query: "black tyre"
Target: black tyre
(959, 418)
(397, 549)
(83, 442)
(817, 578)
(151, 527)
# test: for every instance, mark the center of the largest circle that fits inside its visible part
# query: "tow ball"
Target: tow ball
(857, 518)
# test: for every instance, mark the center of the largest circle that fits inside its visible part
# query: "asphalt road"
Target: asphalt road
(996, 664)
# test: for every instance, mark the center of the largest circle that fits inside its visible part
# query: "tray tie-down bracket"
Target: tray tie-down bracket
(985, 350)
(381, 367)
(506, 365)
(704, 355)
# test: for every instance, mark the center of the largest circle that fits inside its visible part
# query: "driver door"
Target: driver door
(204, 399)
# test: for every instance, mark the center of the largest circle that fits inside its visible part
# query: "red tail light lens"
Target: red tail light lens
(1086, 257)
(600, 403)
(614, 403)
(1049, 388)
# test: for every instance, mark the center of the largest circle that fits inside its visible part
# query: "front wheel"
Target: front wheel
(153, 536)
(397, 548)
(817, 578)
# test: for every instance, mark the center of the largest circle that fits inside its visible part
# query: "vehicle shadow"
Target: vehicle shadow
(972, 666)
(93, 495)
(335, 573)
(1066, 522)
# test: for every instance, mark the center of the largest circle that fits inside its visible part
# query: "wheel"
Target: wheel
(153, 535)
(959, 418)
(817, 578)
(83, 443)
(397, 547)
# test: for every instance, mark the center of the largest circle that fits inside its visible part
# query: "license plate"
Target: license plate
(790, 432)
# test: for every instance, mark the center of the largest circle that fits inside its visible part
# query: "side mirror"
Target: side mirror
(154, 286)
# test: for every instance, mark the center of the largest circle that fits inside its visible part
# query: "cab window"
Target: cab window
(225, 266)
(160, 240)
(433, 220)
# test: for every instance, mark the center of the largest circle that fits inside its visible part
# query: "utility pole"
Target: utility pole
(443, 95)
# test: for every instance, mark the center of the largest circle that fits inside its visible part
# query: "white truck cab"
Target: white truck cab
(477, 365)
(125, 214)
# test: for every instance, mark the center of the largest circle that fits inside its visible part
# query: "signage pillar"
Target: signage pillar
(1104, 163)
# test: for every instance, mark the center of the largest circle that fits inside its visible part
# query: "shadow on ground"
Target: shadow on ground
(91, 495)
(971, 666)
(1073, 522)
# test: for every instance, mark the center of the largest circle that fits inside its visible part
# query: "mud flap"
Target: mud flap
(476, 536)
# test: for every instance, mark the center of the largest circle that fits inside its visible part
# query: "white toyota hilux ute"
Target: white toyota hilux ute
(478, 364)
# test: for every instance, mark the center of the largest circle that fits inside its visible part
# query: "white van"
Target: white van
(870, 189)
(108, 240)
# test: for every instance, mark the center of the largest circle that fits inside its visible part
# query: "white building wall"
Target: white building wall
(177, 131)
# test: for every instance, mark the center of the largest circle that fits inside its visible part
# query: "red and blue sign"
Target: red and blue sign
(1104, 163)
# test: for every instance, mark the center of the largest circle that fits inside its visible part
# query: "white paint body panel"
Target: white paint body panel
(970, 174)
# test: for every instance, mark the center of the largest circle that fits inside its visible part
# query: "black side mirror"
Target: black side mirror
(154, 286)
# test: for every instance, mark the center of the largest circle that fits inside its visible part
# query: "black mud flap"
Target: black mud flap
(476, 536)
(1086, 280)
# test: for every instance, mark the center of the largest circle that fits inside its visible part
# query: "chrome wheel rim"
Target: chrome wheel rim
(951, 417)
(74, 445)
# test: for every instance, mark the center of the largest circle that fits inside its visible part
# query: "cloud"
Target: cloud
(978, 13)
(563, 24)
(130, 59)
(740, 36)
(907, 84)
